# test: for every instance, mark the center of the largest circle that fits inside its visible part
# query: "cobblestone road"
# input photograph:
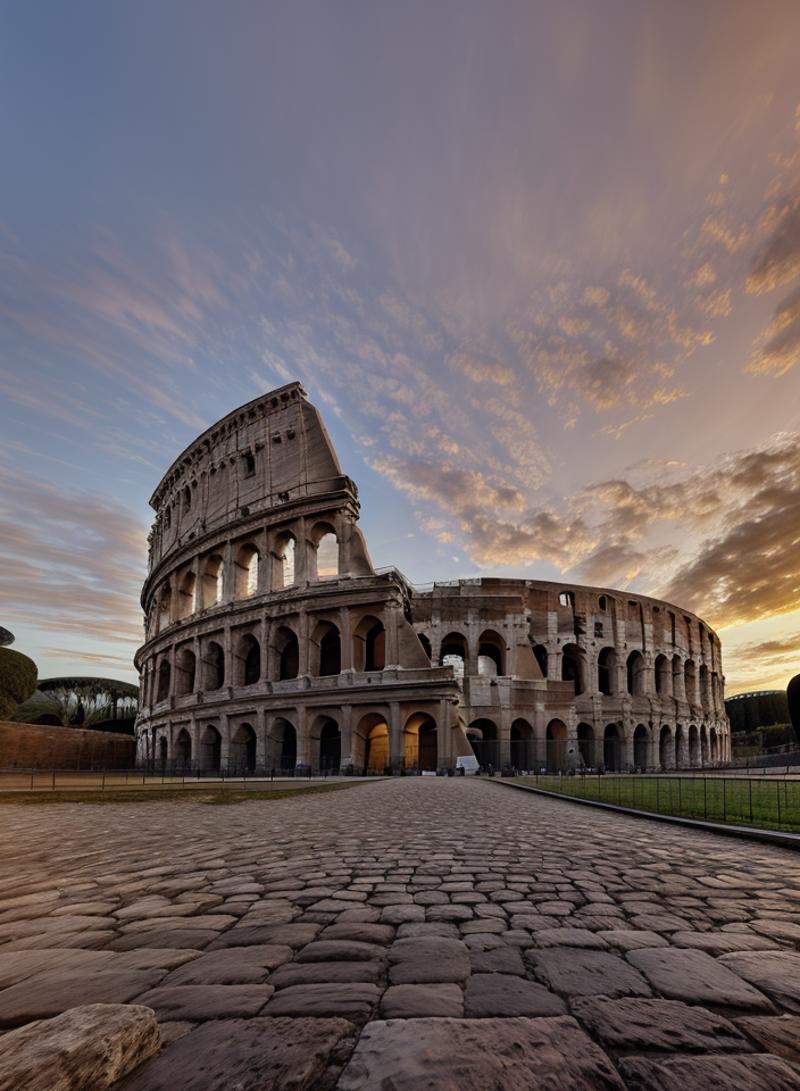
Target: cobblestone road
(418, 933)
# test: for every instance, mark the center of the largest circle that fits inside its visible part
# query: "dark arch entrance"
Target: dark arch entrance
(483, 738)
(420, 742)
(330, 746)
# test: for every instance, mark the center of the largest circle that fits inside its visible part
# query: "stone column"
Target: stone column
(392, 658)
(444, 743)
(396, 749)
(346, 732)
(261, 740)
(303, 642)
(346, 638)
(228, 573)
(225, 748)
(303, 742)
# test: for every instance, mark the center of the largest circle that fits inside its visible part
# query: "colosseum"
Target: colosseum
(272, 644)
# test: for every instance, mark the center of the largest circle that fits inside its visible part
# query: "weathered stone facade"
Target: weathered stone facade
(273, 643)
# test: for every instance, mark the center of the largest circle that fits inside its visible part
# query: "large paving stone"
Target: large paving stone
(248, 1055)
(291, 934)
(778, 1034)
(49, 993)
(697, 978)
(429, 959)
(231, 966)
(351, 1000)
(196, 938)
(628, 939)
(508, 995)
(642, 1026)
(570, 937)
(753, 1072)
(431, 1001)
(477, 1055)
(339, 951)
(307, 973)
(87, 1048)
(198, 1002)
(574, 971)
(497, 960)
(776, 972)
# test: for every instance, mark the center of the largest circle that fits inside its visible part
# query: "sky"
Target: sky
(537, 264)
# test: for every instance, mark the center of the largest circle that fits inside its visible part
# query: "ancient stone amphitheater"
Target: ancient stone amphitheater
(273, 644)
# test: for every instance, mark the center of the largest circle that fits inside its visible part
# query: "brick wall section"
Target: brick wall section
(29, 746)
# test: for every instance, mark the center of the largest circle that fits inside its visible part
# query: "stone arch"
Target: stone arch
(704, 687)
(185, 671)
(485, 742)
(162, 753)
(666, 750)
(369, 644)
(573, 667)
(287, 652)
(210, 749)
(703, 745)
(491, 653)
(556, 746)
(165, 606)
(713, 748)
(326, 649)
(540, 652)
(214, 666)
(694, 746)
(453, 653)
(248, 654)
(243, 749)
(607, 672)
(636, 674)
(283, 742)
(183, 750)
(284, 561)
(213, 580)
(246, 571)
(326, 739)
(586, 746)
(420, 741)
(613, 748)
(164, 680)
(641, 747)
(689, 680)
(371, 749)
(663, 672)
(522, 745)
(324, 558)
(187, 595)
(680, 747)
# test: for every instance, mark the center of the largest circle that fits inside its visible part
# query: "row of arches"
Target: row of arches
(490, 653)
(322, 748)
(590, 748)
(674, 677)
(204, 585)
(187, 676)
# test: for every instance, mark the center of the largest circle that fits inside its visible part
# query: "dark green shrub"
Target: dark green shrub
(18, 676)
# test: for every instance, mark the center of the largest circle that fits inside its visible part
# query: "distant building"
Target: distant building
(272, 642)
(761, 708)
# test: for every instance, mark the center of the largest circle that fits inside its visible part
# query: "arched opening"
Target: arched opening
(420, 742)
(689, 681)
(284, 746)
(677, 676)
(287, 651)
(369, 645)
(426, 644)
(680, 747)
(666, 751)
(586, 747)
(162, 753)
(694, 746)
(243, 749)
(484, 740)
(283, 569)
(185, 669)
(213, 578)
(612, 748)
(246, 571)
(187, 500)
(663, 675)
(491, 654)
(556, 746)
(453, 653)
(371, 744)
(704, 745)
(186, 595)
(326, 552)
(573, 667)
(327, 649)
(522, 750)
(164, 678)
(540, 651)
(214, 661)
(165, 606)
(606, 671)
(713, 746)
(635, 668)
(704, 687)
(210, 750)
(183, 750)
(326, 730)
(641, 738)
(248, 654)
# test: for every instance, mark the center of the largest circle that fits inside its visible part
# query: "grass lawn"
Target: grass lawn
(771, 803)
(199, 794)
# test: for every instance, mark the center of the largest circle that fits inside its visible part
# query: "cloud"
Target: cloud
(778, 261)
(480, 370)
(778, 349)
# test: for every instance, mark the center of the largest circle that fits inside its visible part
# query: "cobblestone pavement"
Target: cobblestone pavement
(416, 933)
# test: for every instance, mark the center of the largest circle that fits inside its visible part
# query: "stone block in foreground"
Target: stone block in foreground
(474, 1054)
(84, 1049)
